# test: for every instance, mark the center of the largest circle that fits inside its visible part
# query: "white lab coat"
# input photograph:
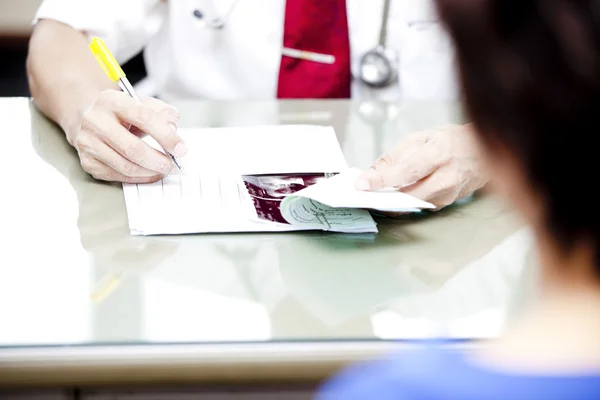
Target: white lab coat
(241, 61)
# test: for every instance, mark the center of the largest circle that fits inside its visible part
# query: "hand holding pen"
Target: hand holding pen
(108, 151)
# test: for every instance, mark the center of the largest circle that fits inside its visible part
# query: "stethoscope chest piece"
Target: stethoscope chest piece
(379, 67)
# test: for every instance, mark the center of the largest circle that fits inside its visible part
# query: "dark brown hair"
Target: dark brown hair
(530, 74)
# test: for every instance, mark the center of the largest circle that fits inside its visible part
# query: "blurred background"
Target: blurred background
(15, 29)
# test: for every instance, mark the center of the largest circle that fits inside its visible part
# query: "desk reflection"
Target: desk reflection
(117, 257)
(292, 286)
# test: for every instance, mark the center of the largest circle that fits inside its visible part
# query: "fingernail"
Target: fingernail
(180, 150)
(173, 127)
(362, 184)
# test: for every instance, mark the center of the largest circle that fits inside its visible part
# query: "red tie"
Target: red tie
(318, 26)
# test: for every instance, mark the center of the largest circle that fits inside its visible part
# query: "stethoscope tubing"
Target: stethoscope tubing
(380, 51)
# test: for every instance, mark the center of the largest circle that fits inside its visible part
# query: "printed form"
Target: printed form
(211, 196)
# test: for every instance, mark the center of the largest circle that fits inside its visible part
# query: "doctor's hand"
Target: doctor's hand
(440, 166)
(109, 152)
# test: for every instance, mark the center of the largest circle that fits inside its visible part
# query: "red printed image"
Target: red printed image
(268, 191)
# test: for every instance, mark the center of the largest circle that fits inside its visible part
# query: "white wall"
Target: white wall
(16, 16)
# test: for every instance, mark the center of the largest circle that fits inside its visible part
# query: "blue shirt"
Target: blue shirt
(437, 374)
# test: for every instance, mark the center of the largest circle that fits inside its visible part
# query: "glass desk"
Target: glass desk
(83, 302)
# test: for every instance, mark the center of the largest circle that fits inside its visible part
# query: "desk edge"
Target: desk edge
(174, 364)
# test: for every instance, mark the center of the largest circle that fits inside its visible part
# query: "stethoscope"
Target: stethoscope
(377, 67)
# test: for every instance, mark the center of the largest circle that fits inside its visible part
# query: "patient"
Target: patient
(530, 72)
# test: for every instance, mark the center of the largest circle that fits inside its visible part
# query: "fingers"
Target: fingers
(440, 188)
(103, 172)
(101, 132)
(135, 150)
(152, 117)
(438, 166)
(120, 163)
(398, 173)
(109, 151)
(413, 159)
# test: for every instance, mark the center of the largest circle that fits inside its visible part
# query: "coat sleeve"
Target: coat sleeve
(126, 26)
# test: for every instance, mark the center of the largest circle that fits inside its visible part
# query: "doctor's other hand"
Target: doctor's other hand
(440, 166)
(109, 151)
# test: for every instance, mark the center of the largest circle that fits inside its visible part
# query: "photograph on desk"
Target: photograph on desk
(269, 191)
(278, 199)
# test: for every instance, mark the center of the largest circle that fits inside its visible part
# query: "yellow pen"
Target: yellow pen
(115, 73)
(106, 286)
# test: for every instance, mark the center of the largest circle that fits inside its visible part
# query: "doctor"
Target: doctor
(247, 49)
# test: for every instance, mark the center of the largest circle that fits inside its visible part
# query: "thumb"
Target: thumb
(370, 180)
(385, 173)
(373, 179)
(381, 178)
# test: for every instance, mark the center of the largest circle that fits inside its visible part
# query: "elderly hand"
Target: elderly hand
(108, 151)
(440, 166)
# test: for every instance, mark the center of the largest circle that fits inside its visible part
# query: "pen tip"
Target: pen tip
(176, 163)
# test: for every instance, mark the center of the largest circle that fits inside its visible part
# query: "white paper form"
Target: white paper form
(210, 196)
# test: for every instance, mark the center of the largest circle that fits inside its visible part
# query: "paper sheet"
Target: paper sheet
(310, 213)
(210, 196)
(339, 191)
